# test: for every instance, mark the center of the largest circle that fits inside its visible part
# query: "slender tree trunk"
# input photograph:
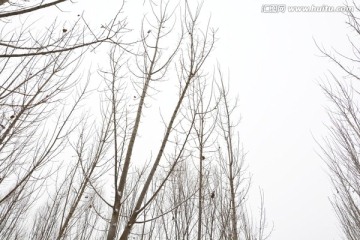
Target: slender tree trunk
(201, 158)
(137, 209)
(231, 160)
(120, 190)
(233, 207)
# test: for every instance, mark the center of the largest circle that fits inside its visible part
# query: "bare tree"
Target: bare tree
(340, 152)
(155, 65)
(340, 149)
(39, 93)
(237, 180)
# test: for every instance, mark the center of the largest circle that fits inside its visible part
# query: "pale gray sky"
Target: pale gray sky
(275, 66)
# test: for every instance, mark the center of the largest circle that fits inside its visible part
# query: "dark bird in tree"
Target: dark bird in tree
(64, 30)
(212, 194)
(149, 31)
(202, 158)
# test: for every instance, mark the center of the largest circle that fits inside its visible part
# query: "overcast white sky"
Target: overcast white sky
(275, 68)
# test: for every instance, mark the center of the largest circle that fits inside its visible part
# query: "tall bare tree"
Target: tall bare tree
(340, 149)
(155, 65)
(40, 90)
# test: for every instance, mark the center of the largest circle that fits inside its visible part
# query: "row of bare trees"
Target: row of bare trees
(68, 171)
